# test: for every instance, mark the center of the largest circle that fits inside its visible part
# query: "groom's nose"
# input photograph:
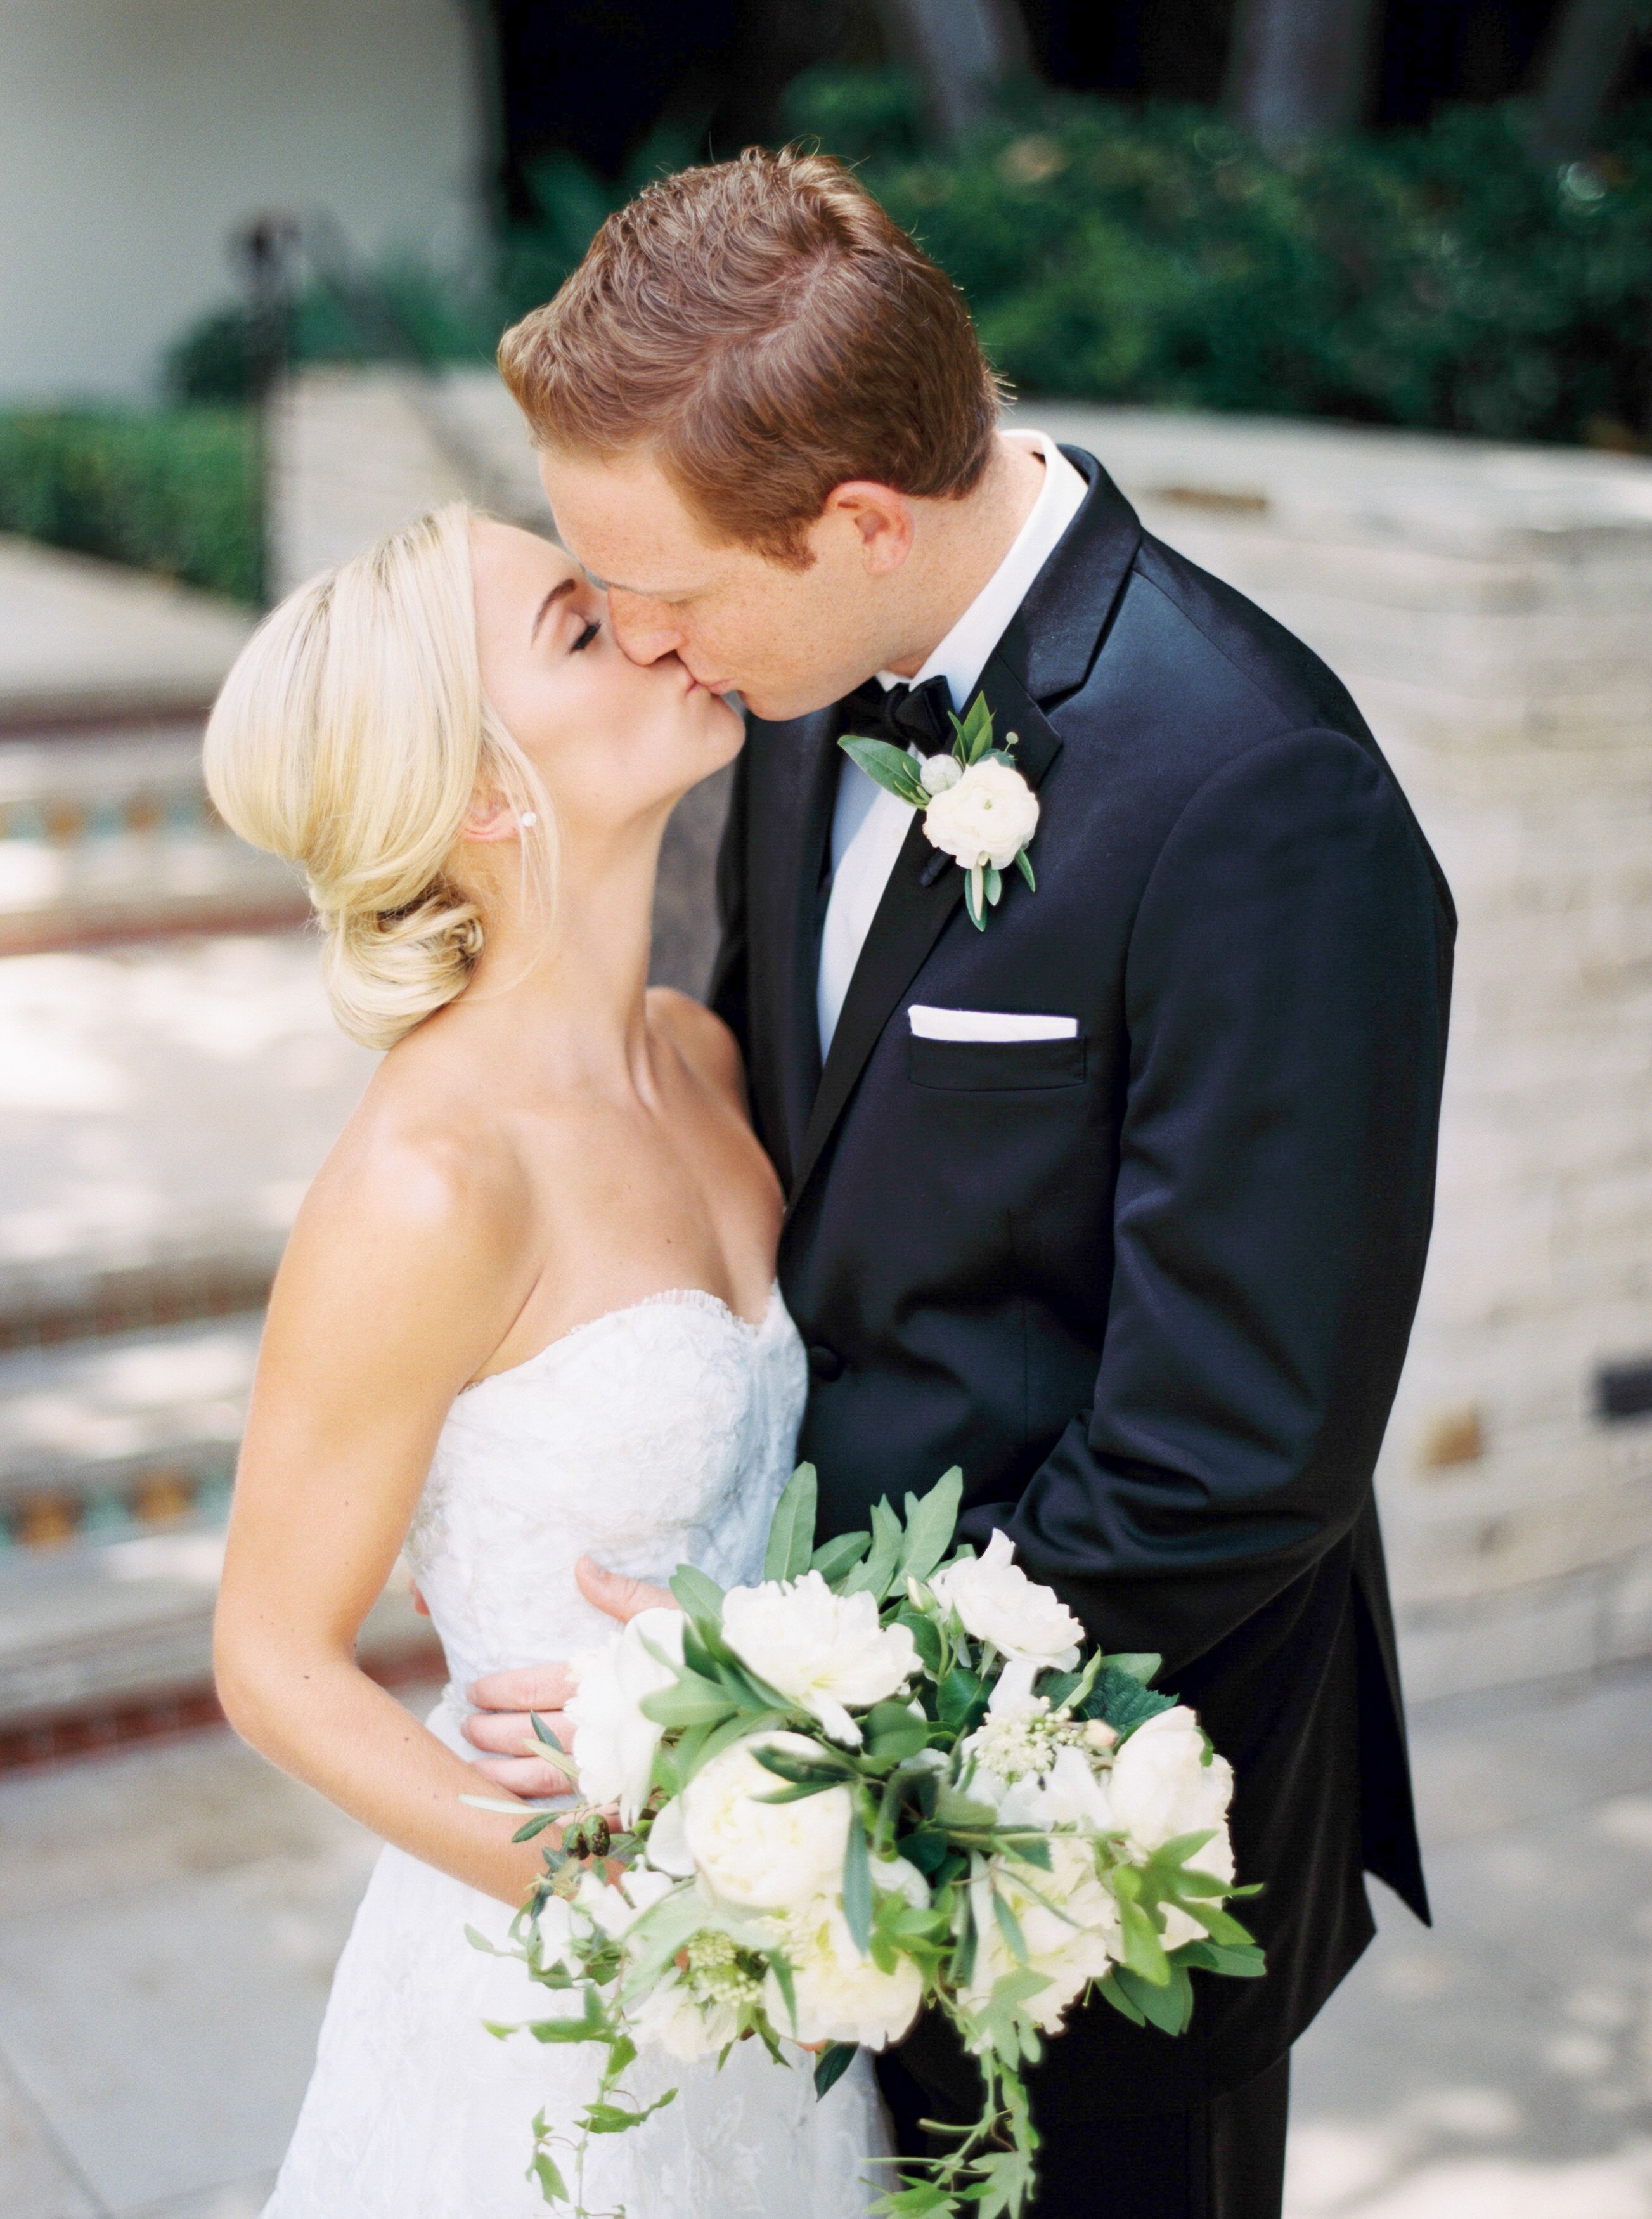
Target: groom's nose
(645, 629)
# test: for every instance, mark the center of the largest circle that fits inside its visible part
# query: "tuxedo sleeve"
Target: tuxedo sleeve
(1285, 993)
(728, 991)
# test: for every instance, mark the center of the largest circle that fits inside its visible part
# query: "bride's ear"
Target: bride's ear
(489, 820)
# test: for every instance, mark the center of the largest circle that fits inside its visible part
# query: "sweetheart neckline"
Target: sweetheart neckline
(692, 1298)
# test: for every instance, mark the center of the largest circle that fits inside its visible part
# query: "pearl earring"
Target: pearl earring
(528, 816)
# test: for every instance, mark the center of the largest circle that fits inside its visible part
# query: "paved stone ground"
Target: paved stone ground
(172, 1916)
(78, 636)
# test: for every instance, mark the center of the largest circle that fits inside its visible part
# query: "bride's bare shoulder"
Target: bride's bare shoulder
(422, 1193)
(702, 1040)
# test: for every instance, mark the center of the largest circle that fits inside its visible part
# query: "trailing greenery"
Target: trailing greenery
(1447, 279)
(175, 491)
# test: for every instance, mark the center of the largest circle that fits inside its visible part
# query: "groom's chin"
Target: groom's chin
(780, 705)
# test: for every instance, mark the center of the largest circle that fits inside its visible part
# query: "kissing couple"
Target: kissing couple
(1109, 1180)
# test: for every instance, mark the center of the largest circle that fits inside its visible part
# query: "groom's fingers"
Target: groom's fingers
(523, 1775)
(619, 1597)
(539, 1687)
(510, 1733)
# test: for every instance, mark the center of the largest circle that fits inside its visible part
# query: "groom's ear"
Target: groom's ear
(880, 518)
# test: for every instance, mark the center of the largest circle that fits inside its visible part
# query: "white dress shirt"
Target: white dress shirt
(869, 825)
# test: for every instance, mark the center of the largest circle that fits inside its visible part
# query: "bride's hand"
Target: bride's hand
(501, 1725)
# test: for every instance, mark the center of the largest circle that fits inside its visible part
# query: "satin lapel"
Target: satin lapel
(908, 922)
(805, 788)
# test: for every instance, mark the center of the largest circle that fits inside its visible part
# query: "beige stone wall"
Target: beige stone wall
(1491, 609)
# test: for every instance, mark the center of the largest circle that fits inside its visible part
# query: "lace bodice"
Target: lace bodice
(659, 1434)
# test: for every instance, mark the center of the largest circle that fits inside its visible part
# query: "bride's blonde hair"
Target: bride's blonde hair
(353, 736)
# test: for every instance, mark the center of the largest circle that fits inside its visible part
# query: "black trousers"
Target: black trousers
(1223, 2159)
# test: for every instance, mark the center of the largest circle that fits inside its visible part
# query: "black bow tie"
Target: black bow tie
(906, 716)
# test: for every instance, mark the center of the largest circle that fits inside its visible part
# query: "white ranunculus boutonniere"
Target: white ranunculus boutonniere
(977, 807)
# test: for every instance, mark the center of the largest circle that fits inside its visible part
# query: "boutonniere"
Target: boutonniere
(977, 807)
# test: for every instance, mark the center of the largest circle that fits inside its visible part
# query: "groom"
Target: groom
(1122, 1203)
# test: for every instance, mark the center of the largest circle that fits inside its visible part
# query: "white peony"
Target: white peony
(673, 2019)
(821, 1650)
(768, 1856)
(840, 1995)
(1070, 1950)
(1064, 1792)
(616, 1905)
(1160, 1785)
(613, 1742)
(940, 773)
(556, 1930)
(988, 817)
(999, 1603)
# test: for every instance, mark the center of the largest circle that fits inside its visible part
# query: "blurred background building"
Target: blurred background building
(1354, 298)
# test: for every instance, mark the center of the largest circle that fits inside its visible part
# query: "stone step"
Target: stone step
(109, 835)
(117, 1458)
(99, 1436)
(96, 1631)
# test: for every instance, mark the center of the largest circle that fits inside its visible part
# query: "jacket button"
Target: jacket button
(825, 1363)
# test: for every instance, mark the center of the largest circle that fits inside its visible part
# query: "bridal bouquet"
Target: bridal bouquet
(885, 1779)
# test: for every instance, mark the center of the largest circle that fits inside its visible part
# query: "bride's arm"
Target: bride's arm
(401, 1280)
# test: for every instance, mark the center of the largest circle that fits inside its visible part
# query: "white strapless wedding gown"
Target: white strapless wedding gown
(661, 1433)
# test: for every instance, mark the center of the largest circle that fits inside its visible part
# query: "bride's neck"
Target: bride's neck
(571, 988)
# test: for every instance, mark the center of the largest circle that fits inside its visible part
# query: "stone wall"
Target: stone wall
(1491, 609)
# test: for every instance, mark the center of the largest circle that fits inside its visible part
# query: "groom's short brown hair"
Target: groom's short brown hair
(768, 332)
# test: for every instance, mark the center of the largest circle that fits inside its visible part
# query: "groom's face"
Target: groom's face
(786, 640)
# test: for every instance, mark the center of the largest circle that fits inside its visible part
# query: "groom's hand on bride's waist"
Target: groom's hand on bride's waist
(501, 1725)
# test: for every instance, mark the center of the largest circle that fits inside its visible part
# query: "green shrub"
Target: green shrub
(1445, 279)
(177, 491)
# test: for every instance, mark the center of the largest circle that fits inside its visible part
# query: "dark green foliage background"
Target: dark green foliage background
(1444, 280)
(175, 491)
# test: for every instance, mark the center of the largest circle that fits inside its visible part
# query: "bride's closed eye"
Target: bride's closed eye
(586, 635)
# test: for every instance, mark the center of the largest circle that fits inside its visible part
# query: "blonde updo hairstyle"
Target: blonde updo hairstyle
(353, 737)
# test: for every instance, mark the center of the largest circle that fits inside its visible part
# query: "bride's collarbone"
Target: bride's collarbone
(615, 1222)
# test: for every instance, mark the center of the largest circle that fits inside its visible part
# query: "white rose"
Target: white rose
(1070, 1950)
(821, 1650)
(613, 1742)
(671, 2018)
(767, 1857)
(1160, 1786)
(988, 817)
(940, 773)
(840, 1995)
(999, 1603)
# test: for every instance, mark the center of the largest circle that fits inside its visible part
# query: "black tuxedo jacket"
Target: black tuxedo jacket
(1151, 1288)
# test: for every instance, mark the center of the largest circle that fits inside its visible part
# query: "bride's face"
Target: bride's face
(614, 741)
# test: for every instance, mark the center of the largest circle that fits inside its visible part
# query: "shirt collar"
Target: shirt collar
(963, 654)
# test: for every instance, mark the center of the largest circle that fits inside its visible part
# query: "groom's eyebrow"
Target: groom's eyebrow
(549, 602)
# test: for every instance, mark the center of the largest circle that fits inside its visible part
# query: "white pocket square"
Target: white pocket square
(987, 1025)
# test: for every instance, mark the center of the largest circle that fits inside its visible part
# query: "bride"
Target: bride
(528, 1311)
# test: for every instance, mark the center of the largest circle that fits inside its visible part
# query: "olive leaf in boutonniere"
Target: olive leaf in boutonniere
(977, 807)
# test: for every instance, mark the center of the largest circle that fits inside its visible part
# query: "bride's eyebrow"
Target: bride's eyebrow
(566, 586)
